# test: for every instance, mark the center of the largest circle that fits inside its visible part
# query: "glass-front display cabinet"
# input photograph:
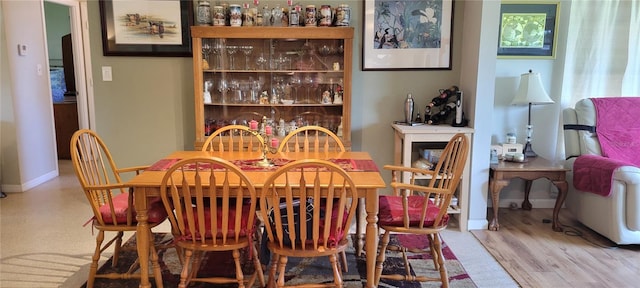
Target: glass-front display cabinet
(293, 76)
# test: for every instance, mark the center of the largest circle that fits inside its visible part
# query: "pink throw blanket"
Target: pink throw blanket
(594, 173)
(618, 128)
(618, 131)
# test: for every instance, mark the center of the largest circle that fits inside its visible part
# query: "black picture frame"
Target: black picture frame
(522, 33)
(404, 24)
(145, 33)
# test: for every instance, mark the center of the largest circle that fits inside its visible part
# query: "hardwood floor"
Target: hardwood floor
(536, 256)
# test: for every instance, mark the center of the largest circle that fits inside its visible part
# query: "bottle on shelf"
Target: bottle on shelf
(442, 115)
(443, 98)
(408, 109)
(418, 118)
(427, 113)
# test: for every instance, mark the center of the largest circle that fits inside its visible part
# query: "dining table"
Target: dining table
(359, 165)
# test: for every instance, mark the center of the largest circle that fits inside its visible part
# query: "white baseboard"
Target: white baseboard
(30, 184)
(480, 224)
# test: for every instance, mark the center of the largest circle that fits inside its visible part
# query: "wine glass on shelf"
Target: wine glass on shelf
(247, 50)
(308, 82)
(295, 83)
(206, 51)
(223, 87)
(324, 51)
(231, 50)
(217, 50)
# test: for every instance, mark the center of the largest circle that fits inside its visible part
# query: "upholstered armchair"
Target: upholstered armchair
(612, 208)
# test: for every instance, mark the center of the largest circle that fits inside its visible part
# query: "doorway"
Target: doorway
(67, 62)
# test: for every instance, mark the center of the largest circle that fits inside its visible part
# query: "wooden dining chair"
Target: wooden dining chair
(311, 139)
(421, 210)
(111, 202)
(211, 205)
(233, 138)
(326, 195)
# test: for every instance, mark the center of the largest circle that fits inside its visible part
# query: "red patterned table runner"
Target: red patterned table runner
(363, 165)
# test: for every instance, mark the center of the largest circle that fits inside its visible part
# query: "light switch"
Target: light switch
(106, 73)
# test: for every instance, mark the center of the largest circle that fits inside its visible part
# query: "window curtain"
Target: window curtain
(603, 53)
(603, 50)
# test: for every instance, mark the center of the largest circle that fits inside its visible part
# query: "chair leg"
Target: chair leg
(343, 257)
(185, 269)
(381, 256)
(157, 273)
(258, 265)
(282, 264)
(433, 251)
(116, 250)
(239, 274)
(443, 270)
(337, 274)
(93, 269)
(272, 271)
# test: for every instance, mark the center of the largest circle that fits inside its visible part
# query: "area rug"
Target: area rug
(299, 270)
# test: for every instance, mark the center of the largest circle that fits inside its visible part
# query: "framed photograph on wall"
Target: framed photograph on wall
(528, 30)
(146, 28)
(407, 35)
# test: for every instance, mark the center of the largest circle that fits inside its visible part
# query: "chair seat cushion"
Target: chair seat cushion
(391, 212)
(155, 212)
(245, 228)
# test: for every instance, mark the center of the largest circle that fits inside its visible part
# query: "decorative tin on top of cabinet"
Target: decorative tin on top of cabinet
(294, 76)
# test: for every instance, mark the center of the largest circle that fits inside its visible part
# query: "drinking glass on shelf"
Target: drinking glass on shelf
(234, 86)
(231, 50)
(256, 86)
(247, 50)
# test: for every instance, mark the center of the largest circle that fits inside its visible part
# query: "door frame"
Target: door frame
(78, 14)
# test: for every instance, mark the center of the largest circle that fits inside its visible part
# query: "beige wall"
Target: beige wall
(28, 142)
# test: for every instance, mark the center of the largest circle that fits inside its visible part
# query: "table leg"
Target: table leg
(360, 238)
(563, 187)
(526, 205)
(142, 236)
(372, 235)
(496, 186)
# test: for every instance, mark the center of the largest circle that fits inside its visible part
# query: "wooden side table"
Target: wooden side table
(534, 168)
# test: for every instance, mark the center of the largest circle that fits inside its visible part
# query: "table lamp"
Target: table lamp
(530, 92)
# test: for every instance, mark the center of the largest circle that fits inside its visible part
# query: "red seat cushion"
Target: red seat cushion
(245, 229)
(391, 211)
(155, 212)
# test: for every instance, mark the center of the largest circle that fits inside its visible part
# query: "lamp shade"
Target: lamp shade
(531, 90)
